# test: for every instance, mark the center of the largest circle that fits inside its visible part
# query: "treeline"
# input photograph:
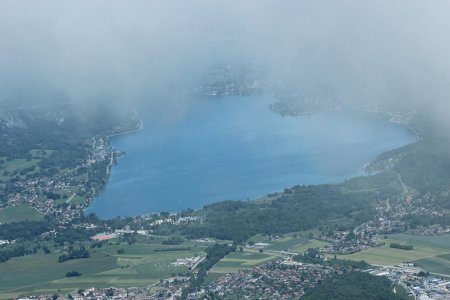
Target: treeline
(73, 274)
(74, 253)
(354, 286)
(28, 235)
(299, 208)
(175, 240)
(73, 234)
(213, 255)
(9, 252)
(26, 230)
(400, 246)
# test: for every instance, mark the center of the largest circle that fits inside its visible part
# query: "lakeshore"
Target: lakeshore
(138, 127)
(237, 149)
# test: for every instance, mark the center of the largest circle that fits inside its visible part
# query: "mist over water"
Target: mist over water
(132, 53)
(235, 148)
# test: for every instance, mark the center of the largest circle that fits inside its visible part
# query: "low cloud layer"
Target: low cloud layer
(134, 52)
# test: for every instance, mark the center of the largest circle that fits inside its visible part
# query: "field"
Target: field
(439, 264)
(430, 252)
(287, 243)
(237, 261)
(20, 213)
(8, 169)
(251, 257)
(138, 265)
(11, 168)
(309, 244)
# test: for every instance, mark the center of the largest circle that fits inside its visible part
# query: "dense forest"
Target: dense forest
(354, 285)
(341, 207)
(58, 129)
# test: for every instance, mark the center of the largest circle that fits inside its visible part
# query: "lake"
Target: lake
(236, 148)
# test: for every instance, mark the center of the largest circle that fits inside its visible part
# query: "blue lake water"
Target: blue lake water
(235, 148)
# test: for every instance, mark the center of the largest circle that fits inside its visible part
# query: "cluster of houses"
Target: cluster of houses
(419, 284)
(176, 219)
(95, 294)
(282, 279)
(387, 220)
(33, 192)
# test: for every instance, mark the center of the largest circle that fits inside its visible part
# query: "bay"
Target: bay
(236, 148)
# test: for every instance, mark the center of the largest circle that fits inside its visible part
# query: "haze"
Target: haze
(152, 52)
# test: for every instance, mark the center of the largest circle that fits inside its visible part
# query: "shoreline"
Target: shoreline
(140, 126)
(363, 169)
(113, 155)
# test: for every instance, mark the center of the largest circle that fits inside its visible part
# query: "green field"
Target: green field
(78, 200)
(251, 257)
(237, 261)
(19, 213)
(139, 265)
(10, 166)
(309, 244)
(429, 252)
(439, 264)
(16, 165)
(286, 243)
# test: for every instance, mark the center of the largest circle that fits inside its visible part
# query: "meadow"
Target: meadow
(138, 265)
(237, 261)
(251, 257)
(432, 253)
(20, 213)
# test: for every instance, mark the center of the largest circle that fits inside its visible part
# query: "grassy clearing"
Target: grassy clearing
(246, 255)
(309, 244)
(439, 264)
(212, 277)
(442, 241)
(139, 265)
(78, 200)
(19, 213)
(11, 168)
(17, 164)
(259, 238)
(30, 270)
(424, 247)
(237, 261)
(244, 259)
(229, 264)
(287, 243)
(8, 169)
